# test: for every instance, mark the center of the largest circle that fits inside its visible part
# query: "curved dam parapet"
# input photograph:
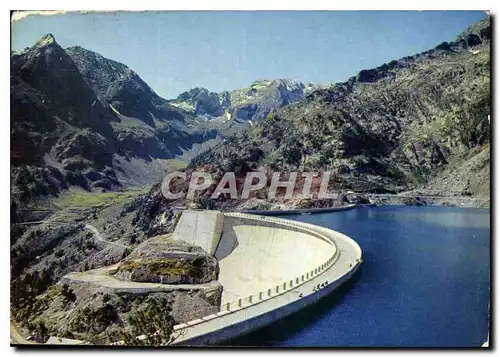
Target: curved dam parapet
(255, 254)
(269, 268)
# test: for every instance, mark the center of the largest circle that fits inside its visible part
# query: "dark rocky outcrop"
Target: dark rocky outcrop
(485, 33)
(367, 75)
(473, 40)
(443, 46)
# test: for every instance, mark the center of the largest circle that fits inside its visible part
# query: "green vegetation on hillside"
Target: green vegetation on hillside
(80, 199)
(151, 326)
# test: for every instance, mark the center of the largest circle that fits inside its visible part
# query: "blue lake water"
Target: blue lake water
(424, 282)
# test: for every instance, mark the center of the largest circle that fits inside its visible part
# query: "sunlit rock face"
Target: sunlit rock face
(252, 103)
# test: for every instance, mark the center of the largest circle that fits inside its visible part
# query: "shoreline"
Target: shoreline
(300, 210)
(380, 200)
(422, 200)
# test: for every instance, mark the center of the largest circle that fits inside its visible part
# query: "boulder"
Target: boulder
(166, 261)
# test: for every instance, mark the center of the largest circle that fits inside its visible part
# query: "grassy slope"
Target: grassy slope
(76, 198)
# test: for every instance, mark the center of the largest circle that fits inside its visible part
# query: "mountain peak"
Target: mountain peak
(268, 81)
(46, 40)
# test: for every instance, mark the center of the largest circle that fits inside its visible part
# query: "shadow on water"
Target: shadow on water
(281, 330)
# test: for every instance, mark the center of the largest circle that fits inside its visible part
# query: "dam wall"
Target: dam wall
(230, 324)
(201, 228)
(270, 267)
(256, 255)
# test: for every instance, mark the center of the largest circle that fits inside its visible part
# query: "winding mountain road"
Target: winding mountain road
(99, 237)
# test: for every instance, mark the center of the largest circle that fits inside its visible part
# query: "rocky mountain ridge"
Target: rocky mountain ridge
(253, 103)
(389, 129)
(231, 112)
(81, 119)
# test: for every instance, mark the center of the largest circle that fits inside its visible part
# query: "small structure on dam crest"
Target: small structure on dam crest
(201, 228)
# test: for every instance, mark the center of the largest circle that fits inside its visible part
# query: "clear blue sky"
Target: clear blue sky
(176, 51)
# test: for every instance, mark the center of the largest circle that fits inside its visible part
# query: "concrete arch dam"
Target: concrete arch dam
(269, 268)
(254, 257)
